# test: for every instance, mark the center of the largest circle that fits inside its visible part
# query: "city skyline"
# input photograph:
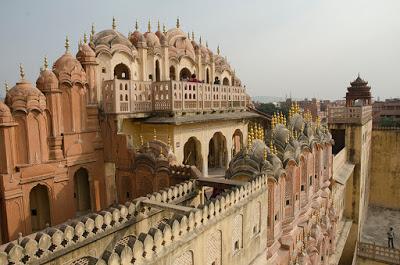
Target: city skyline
(299, 48)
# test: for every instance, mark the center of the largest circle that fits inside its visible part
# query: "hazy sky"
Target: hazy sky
(306, 48)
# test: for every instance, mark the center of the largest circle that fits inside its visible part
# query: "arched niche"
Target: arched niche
(184, 74)
(39, 204)
(82, 191)
(192, 153)
(217, 155)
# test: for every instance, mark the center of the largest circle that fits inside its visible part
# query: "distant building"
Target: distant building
(390, 109)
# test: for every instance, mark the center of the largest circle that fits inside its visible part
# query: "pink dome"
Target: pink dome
(86, 54)
(25, 96)
(69, 69)
(152, 40)
(47, 81)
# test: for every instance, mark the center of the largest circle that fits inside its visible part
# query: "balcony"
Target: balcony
(128, 96)
(353, 115)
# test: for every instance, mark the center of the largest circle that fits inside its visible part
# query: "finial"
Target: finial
(200, 40)
(188, 36)
(21, 71)
(169, 142)
(206, 44)
(46, 63)
(6, 86)
(218, 50)
(66, 44)
(178, 23)
(92, 29)
(149, 26)
(136, 25)
(164, 28)
(192, 36)
(158, 25)
(141, 140)
(85, 38)
(155, 134)
(265, 153)
(114, 25)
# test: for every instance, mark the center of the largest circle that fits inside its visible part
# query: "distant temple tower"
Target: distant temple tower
(358, 93)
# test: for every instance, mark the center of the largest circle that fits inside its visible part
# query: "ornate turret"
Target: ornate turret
(358, 90)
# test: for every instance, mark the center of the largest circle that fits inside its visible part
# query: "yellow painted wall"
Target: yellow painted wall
(385, 170)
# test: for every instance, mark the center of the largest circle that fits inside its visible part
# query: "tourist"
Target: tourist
(390, 234)
(217, 81)
(193, 78)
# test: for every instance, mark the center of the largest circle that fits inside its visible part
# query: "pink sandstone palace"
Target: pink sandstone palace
(146, 150)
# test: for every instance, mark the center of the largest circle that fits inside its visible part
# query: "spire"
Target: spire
(178, 23)
(158, 25)
(136, 25)
(85, 38)
(188, 36)
(200, 40)
(92, 31)
(6, 86)
(66, 44)
(206, 44)
(164, 28)
(114, 25)
(21, 71)
(218, 50)
(46, 64)
(192, 36)
(149, 26)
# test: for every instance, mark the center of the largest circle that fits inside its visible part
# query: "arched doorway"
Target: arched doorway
(237, 140)
(208, 76)
(81, 191)
(121, 71)
(39, 204)
(172, 75)
(217, 154)
(192, 153)
(184, 74)
(158, 78)
(225, 81)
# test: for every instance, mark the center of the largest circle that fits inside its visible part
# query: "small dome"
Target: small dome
(152, 40)
(161, 36)
(47, 80)
(4, 111)
(281, 134)
(137, 39)
(86, 54)
(111, 37)
(297, 122)
(25, 96)
(68, 68)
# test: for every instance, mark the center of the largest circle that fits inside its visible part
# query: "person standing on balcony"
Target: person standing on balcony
(217, 81)
(390, 234)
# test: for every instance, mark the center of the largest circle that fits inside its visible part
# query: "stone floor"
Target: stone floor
(377, 224)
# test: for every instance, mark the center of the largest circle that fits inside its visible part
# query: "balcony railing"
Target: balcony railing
(357, 114)
(128, 96)
(378, 253)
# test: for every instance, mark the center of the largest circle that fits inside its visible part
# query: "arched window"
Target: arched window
(158, 77)
(172, 75)
(207, 76)
(184, 74)
(40, 207)
(82, 191)
(225, 81)
(121, 71)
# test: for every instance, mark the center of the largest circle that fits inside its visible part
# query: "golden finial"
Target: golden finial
(46, 63)
(161, 153)
(169, 142)
(164, 29)
(136, 25)
(154, 134)
(149, 26)
(66, 44)
(85, 38)
(158, 25)
(21, 71)
(148, 145)
(192, 36)
(200, 40)
(114, 24)
(218, 50)
(265, 153)
(141, 140)
(178, 24)
(92, 29)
